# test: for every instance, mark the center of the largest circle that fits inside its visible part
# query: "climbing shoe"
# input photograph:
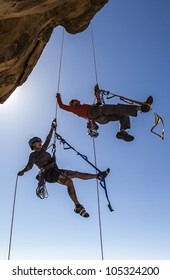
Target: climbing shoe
(146, 105)
(124, 136)
(102, 175)
(79, 209)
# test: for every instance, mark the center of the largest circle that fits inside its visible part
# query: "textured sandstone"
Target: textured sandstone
(26, 27)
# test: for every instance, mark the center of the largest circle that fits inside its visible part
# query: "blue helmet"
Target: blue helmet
(33, 140)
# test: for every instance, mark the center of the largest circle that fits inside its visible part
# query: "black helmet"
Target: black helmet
(33, 140)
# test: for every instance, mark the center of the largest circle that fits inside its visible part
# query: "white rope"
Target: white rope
(12, 219)
(58, 84)
(59, 71)
(94, 150)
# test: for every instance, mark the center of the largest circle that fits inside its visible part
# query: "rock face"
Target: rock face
(26, 27)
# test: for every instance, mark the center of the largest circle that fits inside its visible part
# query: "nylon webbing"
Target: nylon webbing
(157, 118)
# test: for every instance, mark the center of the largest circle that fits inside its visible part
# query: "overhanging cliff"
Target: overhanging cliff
(26, 27)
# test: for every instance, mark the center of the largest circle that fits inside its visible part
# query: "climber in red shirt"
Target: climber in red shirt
(105, 113)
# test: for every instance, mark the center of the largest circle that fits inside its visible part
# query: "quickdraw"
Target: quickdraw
(67, 146)
(157, 118)
(54, 122)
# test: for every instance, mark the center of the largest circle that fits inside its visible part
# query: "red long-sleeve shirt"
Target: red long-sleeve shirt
(80, 110)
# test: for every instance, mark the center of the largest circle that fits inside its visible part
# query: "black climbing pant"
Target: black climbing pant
(109, 113)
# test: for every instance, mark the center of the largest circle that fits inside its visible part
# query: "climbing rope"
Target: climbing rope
(58, 89)
(157, 118)
(98, 206)
(93, 133)
(57, 136)
(12, 219)
(41, 190)
(94, 54)
(60, 65)
(91, 126)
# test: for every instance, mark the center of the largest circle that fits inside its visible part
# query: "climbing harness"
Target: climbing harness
(157, 119)
(91, 125)
(67, 146)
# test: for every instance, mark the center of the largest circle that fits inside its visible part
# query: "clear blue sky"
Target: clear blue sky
(132, 46)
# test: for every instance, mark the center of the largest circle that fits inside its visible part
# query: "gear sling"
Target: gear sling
(41, 190)
(67, 146)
